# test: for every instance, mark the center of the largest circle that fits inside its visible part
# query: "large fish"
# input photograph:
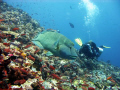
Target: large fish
(56, 43)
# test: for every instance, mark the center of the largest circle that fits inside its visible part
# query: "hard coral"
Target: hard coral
(19, 75)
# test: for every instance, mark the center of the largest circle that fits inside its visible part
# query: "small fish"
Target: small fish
(109, 78)
(14, 29)
(71, 7)
(71, 25)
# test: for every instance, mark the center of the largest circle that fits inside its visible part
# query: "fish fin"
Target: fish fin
(56, 44)
(49, 53)
(37, 43)
(43, 32)
(78, 41)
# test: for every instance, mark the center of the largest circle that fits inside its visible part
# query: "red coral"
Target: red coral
(91, 88)
(86, 85)
(0, 39)
(7, 50)
(83, 88)
(2, 35)
(4, 72)
(28, 46)
(60, 88)
(23, 71)
(17, 82)
(6, 44)
(36, 51)
(51, 67)
(32, 58)
(55, 76)
(23, 34)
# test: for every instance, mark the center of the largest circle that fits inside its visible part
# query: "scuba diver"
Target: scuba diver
(89, 49)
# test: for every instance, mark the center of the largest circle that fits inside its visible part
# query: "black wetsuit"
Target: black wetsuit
(90, 50)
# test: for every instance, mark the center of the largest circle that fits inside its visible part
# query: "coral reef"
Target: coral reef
(24, 66)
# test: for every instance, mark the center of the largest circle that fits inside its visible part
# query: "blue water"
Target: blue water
(96, 20)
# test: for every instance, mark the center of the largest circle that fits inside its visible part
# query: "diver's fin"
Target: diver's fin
(106, 47)
(78, 41)
(56, 44)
